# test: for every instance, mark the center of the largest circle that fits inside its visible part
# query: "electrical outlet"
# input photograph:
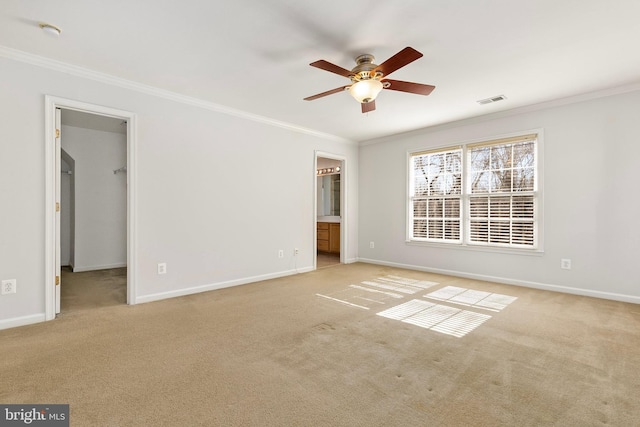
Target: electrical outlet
(9, 287)
(565, 264)
(281, 253)
(372, 245)
(296, 251)
(162, 268)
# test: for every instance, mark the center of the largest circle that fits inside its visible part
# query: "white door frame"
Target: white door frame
(52, 176)
(344, 172)
(58, 173)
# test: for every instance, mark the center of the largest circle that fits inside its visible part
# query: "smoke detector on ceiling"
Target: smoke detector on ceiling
(50, 29)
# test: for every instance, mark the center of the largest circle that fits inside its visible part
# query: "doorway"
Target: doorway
(330, 203)
(93, 211)
(71, 238)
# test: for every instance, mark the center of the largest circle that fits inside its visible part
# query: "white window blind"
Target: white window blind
(435, 193)
(493, 185)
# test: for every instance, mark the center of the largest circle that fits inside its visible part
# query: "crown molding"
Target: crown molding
(85, 73)
(507, 113)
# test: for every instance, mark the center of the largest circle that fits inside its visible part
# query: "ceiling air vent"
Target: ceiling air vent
(492, 99)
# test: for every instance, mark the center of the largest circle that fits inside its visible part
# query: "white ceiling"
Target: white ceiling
(253, 55)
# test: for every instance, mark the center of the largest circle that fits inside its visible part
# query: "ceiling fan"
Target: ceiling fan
(368, 79)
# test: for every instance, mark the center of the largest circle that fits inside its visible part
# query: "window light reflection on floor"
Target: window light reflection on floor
(436, 317)
(374, 293)
(382, 290)
(472, 298)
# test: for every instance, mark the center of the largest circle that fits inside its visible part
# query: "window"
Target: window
(436, 189)
(492, 185)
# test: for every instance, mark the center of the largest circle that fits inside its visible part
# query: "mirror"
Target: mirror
(329, 195)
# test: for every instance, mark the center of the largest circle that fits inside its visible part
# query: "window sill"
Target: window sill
(478, 248)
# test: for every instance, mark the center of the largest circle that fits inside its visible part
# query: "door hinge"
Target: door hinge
(57, 280)
(57, 207)
(57, 133)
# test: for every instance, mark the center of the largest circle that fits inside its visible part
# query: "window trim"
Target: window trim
(464, 242)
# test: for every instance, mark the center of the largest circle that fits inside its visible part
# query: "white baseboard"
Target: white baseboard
(527, 284)
(99, 267)
(215, 286)
(41, 317)
(22, 321)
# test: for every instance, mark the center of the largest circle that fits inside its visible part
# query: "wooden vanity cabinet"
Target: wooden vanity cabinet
(328, 237)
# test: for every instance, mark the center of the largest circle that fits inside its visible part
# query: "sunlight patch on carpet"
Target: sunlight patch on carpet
(422, 284)
(402, 311)
(376, 292)
(461, 323)
(343, 302)
(399, 284)
(472, 298)
(436, 317)
(362, 288)
(361, 297)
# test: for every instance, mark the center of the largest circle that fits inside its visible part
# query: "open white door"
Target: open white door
(53, 106)
(57, 185)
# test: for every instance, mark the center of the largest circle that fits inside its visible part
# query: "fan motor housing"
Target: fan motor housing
(363, 71)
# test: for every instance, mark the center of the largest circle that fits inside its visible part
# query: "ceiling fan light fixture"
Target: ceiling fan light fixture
(368, 79)
(365, 90)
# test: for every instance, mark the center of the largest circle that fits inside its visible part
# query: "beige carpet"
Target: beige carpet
(324, 259)
(92, 289)
(276, 353)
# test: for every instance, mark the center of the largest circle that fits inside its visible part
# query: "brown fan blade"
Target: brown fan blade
(399, 60)
(329, 92)
(332, 68)
(410, 87)
(368, 106)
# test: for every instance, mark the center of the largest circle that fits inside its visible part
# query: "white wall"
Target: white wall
(591, 152)
(100, 226)
(206, 206)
